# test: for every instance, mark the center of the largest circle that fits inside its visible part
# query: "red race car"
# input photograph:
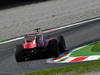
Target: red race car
(37, 45)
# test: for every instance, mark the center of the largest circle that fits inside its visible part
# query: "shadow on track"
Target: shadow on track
(5, 4)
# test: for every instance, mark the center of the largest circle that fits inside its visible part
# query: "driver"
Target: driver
(29, 38)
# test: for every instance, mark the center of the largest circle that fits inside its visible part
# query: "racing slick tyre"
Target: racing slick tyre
(62, 45)
(54, 48)
(19, 54)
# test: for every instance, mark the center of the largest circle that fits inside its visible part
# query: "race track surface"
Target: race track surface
(73, 37)
(16, 21)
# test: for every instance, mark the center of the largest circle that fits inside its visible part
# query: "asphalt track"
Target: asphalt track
(21, 19)
(74, 37)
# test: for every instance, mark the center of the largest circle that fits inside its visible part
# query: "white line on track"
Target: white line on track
(76, 24)
(8, 41)
(51, 30)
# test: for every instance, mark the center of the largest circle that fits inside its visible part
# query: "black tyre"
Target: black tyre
(62, 45)
(53, 48)
(19, 54)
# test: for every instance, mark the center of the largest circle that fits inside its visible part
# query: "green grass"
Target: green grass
(74, 69)
(2, 41)
(86, 51)
(96, 47)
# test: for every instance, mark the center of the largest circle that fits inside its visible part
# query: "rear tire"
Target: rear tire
(54, 48)
(19, 54)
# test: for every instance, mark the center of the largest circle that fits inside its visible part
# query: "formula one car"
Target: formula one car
(37, 45)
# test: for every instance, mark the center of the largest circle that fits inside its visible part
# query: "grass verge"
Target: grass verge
(2, 41)
(74, 69)
(86, 51)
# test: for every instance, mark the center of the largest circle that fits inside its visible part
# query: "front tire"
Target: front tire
(19, 54)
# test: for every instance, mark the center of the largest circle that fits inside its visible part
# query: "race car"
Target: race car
(37, 46)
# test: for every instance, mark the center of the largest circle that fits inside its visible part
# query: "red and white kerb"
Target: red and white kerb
(74, 59)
